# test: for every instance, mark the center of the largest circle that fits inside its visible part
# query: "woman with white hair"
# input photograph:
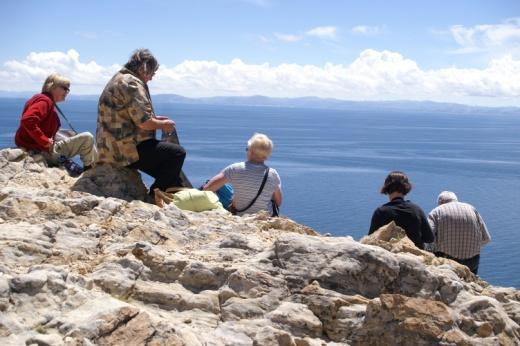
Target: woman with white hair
(40, 123)
(255, 185)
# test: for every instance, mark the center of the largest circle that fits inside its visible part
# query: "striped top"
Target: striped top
(246, 178)
(459, 230)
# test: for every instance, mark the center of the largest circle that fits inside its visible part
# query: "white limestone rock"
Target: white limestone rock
(85, 261)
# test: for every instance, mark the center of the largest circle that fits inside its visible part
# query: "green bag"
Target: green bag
(196, 200)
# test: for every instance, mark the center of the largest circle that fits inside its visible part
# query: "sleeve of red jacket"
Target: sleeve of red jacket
(31, 119)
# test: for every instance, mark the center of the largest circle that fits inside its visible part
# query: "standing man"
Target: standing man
(459, 231)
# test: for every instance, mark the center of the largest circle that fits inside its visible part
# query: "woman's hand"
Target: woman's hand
(161, 117)
(49, 145)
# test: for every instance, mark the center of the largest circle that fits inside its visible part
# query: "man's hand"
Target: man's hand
(162, 123)
(167, 125)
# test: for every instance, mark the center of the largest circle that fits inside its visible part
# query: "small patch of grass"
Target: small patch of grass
(41, 329)
(122, 297)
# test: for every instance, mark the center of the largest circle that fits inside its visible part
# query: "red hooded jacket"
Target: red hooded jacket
(39, 123)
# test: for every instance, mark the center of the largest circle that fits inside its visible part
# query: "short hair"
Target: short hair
(260, 147)
(396, 181)
(53, 81)
(446, 197)
(142, 60)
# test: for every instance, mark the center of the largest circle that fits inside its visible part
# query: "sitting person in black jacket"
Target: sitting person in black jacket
(405, 214)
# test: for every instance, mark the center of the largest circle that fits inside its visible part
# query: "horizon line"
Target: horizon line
(22, 94)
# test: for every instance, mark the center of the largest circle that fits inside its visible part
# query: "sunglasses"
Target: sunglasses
(67, 90)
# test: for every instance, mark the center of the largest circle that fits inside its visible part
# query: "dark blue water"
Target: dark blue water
(332, 163)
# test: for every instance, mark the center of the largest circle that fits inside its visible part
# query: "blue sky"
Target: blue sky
(454, 51)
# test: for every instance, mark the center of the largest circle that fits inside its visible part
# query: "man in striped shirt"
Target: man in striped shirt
(459, 231)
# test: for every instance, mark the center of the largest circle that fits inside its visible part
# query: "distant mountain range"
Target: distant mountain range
(311, 102)
(327, 103)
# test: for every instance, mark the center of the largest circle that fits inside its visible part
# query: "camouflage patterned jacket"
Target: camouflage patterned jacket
(124, 104)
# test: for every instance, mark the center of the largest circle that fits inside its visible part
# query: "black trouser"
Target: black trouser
(161, 160)
(472, 263)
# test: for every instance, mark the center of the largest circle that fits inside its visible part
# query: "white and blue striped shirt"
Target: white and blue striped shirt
(246, 178)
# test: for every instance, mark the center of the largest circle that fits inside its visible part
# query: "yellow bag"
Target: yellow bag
(196, 200)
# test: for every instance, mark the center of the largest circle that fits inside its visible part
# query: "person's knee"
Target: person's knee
(85, 139)
(182, 152)
(178, 152)
(88, 138)
(170, 153)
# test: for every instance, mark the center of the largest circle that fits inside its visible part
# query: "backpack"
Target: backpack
(225, 194)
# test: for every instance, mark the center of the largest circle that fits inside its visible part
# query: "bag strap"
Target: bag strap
(259, 192)
(64, 117)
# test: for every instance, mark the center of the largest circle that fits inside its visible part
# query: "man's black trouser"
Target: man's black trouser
(472, 263)
(161, 160)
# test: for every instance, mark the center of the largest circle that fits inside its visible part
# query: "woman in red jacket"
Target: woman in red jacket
(40, 122)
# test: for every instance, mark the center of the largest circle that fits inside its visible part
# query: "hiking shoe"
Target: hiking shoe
(73, 168)
(162, 198)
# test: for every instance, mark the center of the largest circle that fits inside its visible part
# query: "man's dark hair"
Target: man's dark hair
(396, 181)
(142, 61)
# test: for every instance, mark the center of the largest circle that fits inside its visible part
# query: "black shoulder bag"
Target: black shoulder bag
(234, 210)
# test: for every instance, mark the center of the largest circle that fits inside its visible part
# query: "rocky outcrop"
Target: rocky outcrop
(80, 268)
(110, 181)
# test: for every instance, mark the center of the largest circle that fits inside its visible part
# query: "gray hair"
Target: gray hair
(142, 61)
(446, 197)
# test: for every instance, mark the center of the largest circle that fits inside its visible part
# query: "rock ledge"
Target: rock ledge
(80, 268)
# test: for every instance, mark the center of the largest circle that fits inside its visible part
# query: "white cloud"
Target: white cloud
(288, 37)
(264, 39)
(374, 75)
(322, 32)
(30, 73)
(367, 30)
(488, 37)
(328, 32)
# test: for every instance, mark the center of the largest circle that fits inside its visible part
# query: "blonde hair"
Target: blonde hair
(260, 147)
(53, 81)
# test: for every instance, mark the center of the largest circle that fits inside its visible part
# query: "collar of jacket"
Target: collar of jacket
(49, 95)
(124, 70)
(397, 199)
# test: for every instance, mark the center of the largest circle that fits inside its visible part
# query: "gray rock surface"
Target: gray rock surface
(85, 261)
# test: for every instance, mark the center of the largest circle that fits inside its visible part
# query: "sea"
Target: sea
(332, 163)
